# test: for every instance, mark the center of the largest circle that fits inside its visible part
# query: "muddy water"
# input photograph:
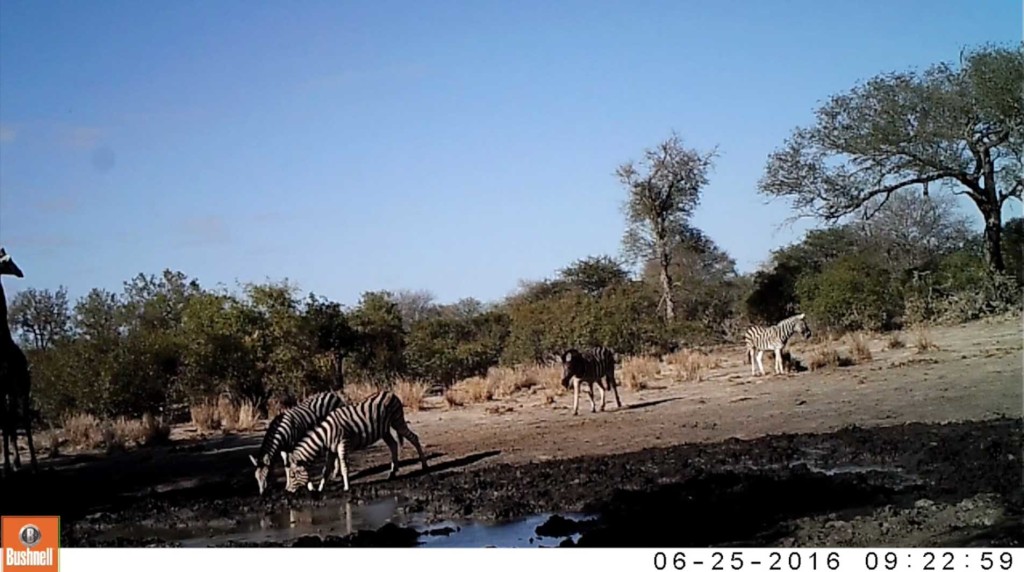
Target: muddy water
(341, 518)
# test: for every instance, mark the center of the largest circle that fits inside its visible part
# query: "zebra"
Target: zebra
(590, 365)
(760, 339)
(350, 428)
(287, 427)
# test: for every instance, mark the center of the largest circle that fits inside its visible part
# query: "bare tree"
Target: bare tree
(911, 229)
(663, 192)
(961, 129)
(415, 305)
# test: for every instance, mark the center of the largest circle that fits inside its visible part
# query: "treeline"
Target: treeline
(893, 255)
(165, 340)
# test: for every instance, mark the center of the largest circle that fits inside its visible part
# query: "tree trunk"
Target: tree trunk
(664, 259)
(339, 372)
(991, 209)
(993, 240)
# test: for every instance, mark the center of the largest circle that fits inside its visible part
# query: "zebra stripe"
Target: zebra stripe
(348, 428)
(285, 429)
(761, 339)
(590, 366)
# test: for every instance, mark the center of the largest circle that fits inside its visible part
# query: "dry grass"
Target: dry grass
(827, 357)
(692, 364)
(504, 383)
(85, 431)
(244, 416)
(923, 341)
(859, 347)
(637, 372)
(205, 416)
(895, 341)
(225, 415)
(472, 390)
(358, 391)
(82, 431)
(274, 407)
(411, 393)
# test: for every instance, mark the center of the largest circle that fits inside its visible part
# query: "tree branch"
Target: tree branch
(887, 190)
(1014, 192)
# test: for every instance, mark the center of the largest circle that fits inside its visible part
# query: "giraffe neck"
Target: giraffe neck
(5, 326)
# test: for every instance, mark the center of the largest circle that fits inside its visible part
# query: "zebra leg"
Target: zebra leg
(411, 437)
(590, 390)
(615, 388)
(753, 366)
(393, 447)
(329, 463)
(760, 363)
(576, 396)
(341, 461)
(601, 388)
(778, 362)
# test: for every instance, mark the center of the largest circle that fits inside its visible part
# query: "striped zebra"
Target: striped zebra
(590, 365)
(287, 427)
(761, 339)
(351, 428)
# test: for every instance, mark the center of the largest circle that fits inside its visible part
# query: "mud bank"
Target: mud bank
(914, 484)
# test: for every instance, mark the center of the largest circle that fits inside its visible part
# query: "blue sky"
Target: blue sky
(456, 147)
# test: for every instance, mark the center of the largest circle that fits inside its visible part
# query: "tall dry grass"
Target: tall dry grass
(504, 383)
(895, 341)
(636, 373)
(411, 393)
(923, 340)
(692, 365)
(84, 431)
(225, 415)
(356, 392)
(859, 348)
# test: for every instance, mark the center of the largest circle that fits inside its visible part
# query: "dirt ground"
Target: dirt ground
(910, 449)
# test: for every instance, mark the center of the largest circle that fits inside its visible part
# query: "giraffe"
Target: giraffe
(15, 380)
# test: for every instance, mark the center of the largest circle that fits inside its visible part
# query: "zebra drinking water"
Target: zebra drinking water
(288, 427)
(351, 428)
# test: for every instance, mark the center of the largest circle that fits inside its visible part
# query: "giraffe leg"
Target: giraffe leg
(13, 424)
(27, 419)
(7, 447)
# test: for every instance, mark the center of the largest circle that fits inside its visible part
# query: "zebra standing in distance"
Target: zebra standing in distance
(287, 427)
(590, 365)
(350, 428)
(760, 339)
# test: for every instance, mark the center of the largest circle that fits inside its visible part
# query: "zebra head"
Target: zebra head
(262, 470)
(296, 476)
(8, 266)
(569, 360)
(801, 326)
